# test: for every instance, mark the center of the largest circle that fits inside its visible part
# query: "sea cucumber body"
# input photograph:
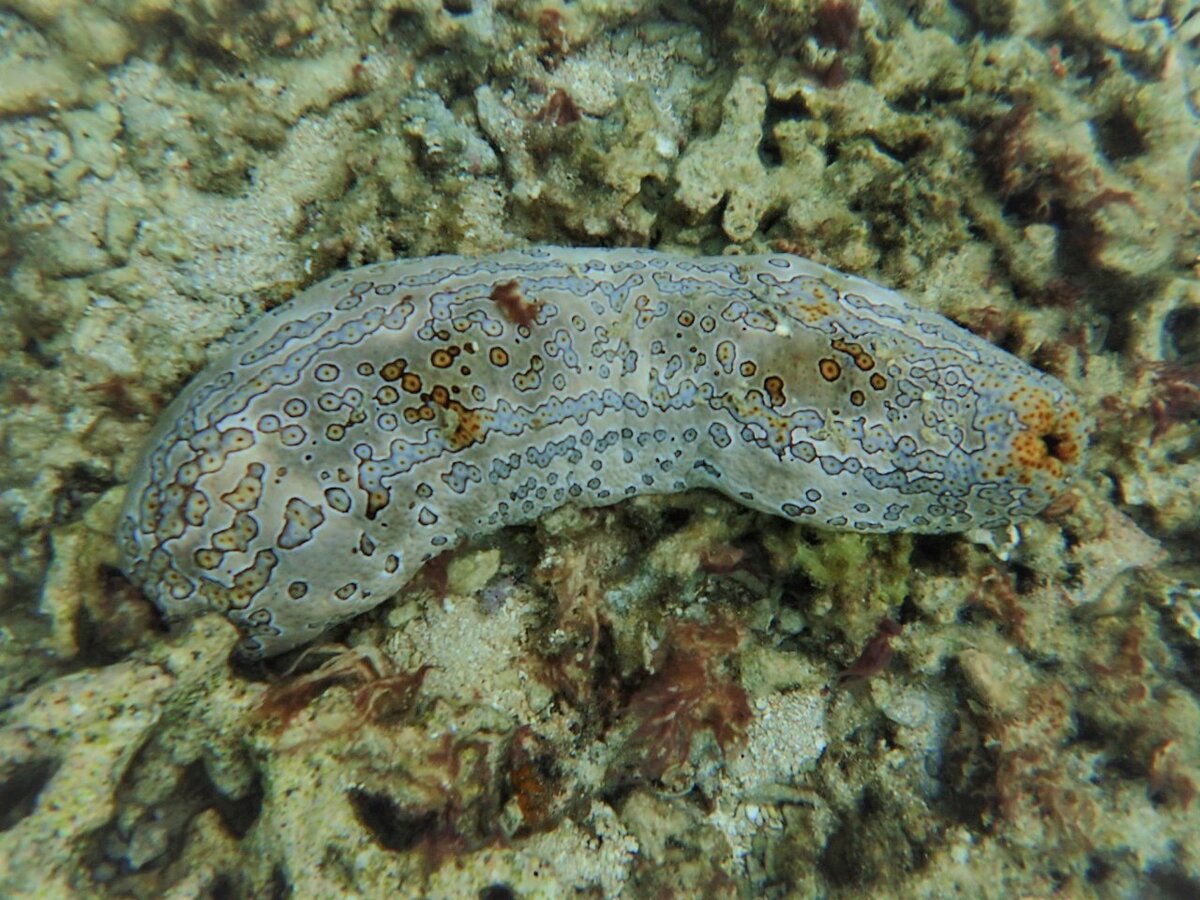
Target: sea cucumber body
(386, 414)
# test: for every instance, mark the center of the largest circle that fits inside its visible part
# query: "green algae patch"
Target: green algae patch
(855, 579)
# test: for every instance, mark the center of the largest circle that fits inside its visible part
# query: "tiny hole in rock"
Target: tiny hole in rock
(394, 828)
(19, 792)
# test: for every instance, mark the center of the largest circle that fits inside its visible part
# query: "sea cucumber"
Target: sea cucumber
(388, 413)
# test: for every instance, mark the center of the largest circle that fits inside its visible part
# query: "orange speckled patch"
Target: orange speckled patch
(829, 368)
(463, 426)
(391, 371)
(1049, 443)
(773, 385)
(864, 360)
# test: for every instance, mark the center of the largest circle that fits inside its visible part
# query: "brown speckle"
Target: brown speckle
(773, 385)
(551, 26)
(876, 655)
(560, 109)
(837, 23)
(518, 310)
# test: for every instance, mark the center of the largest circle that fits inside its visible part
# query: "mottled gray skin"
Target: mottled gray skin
(388, 413)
